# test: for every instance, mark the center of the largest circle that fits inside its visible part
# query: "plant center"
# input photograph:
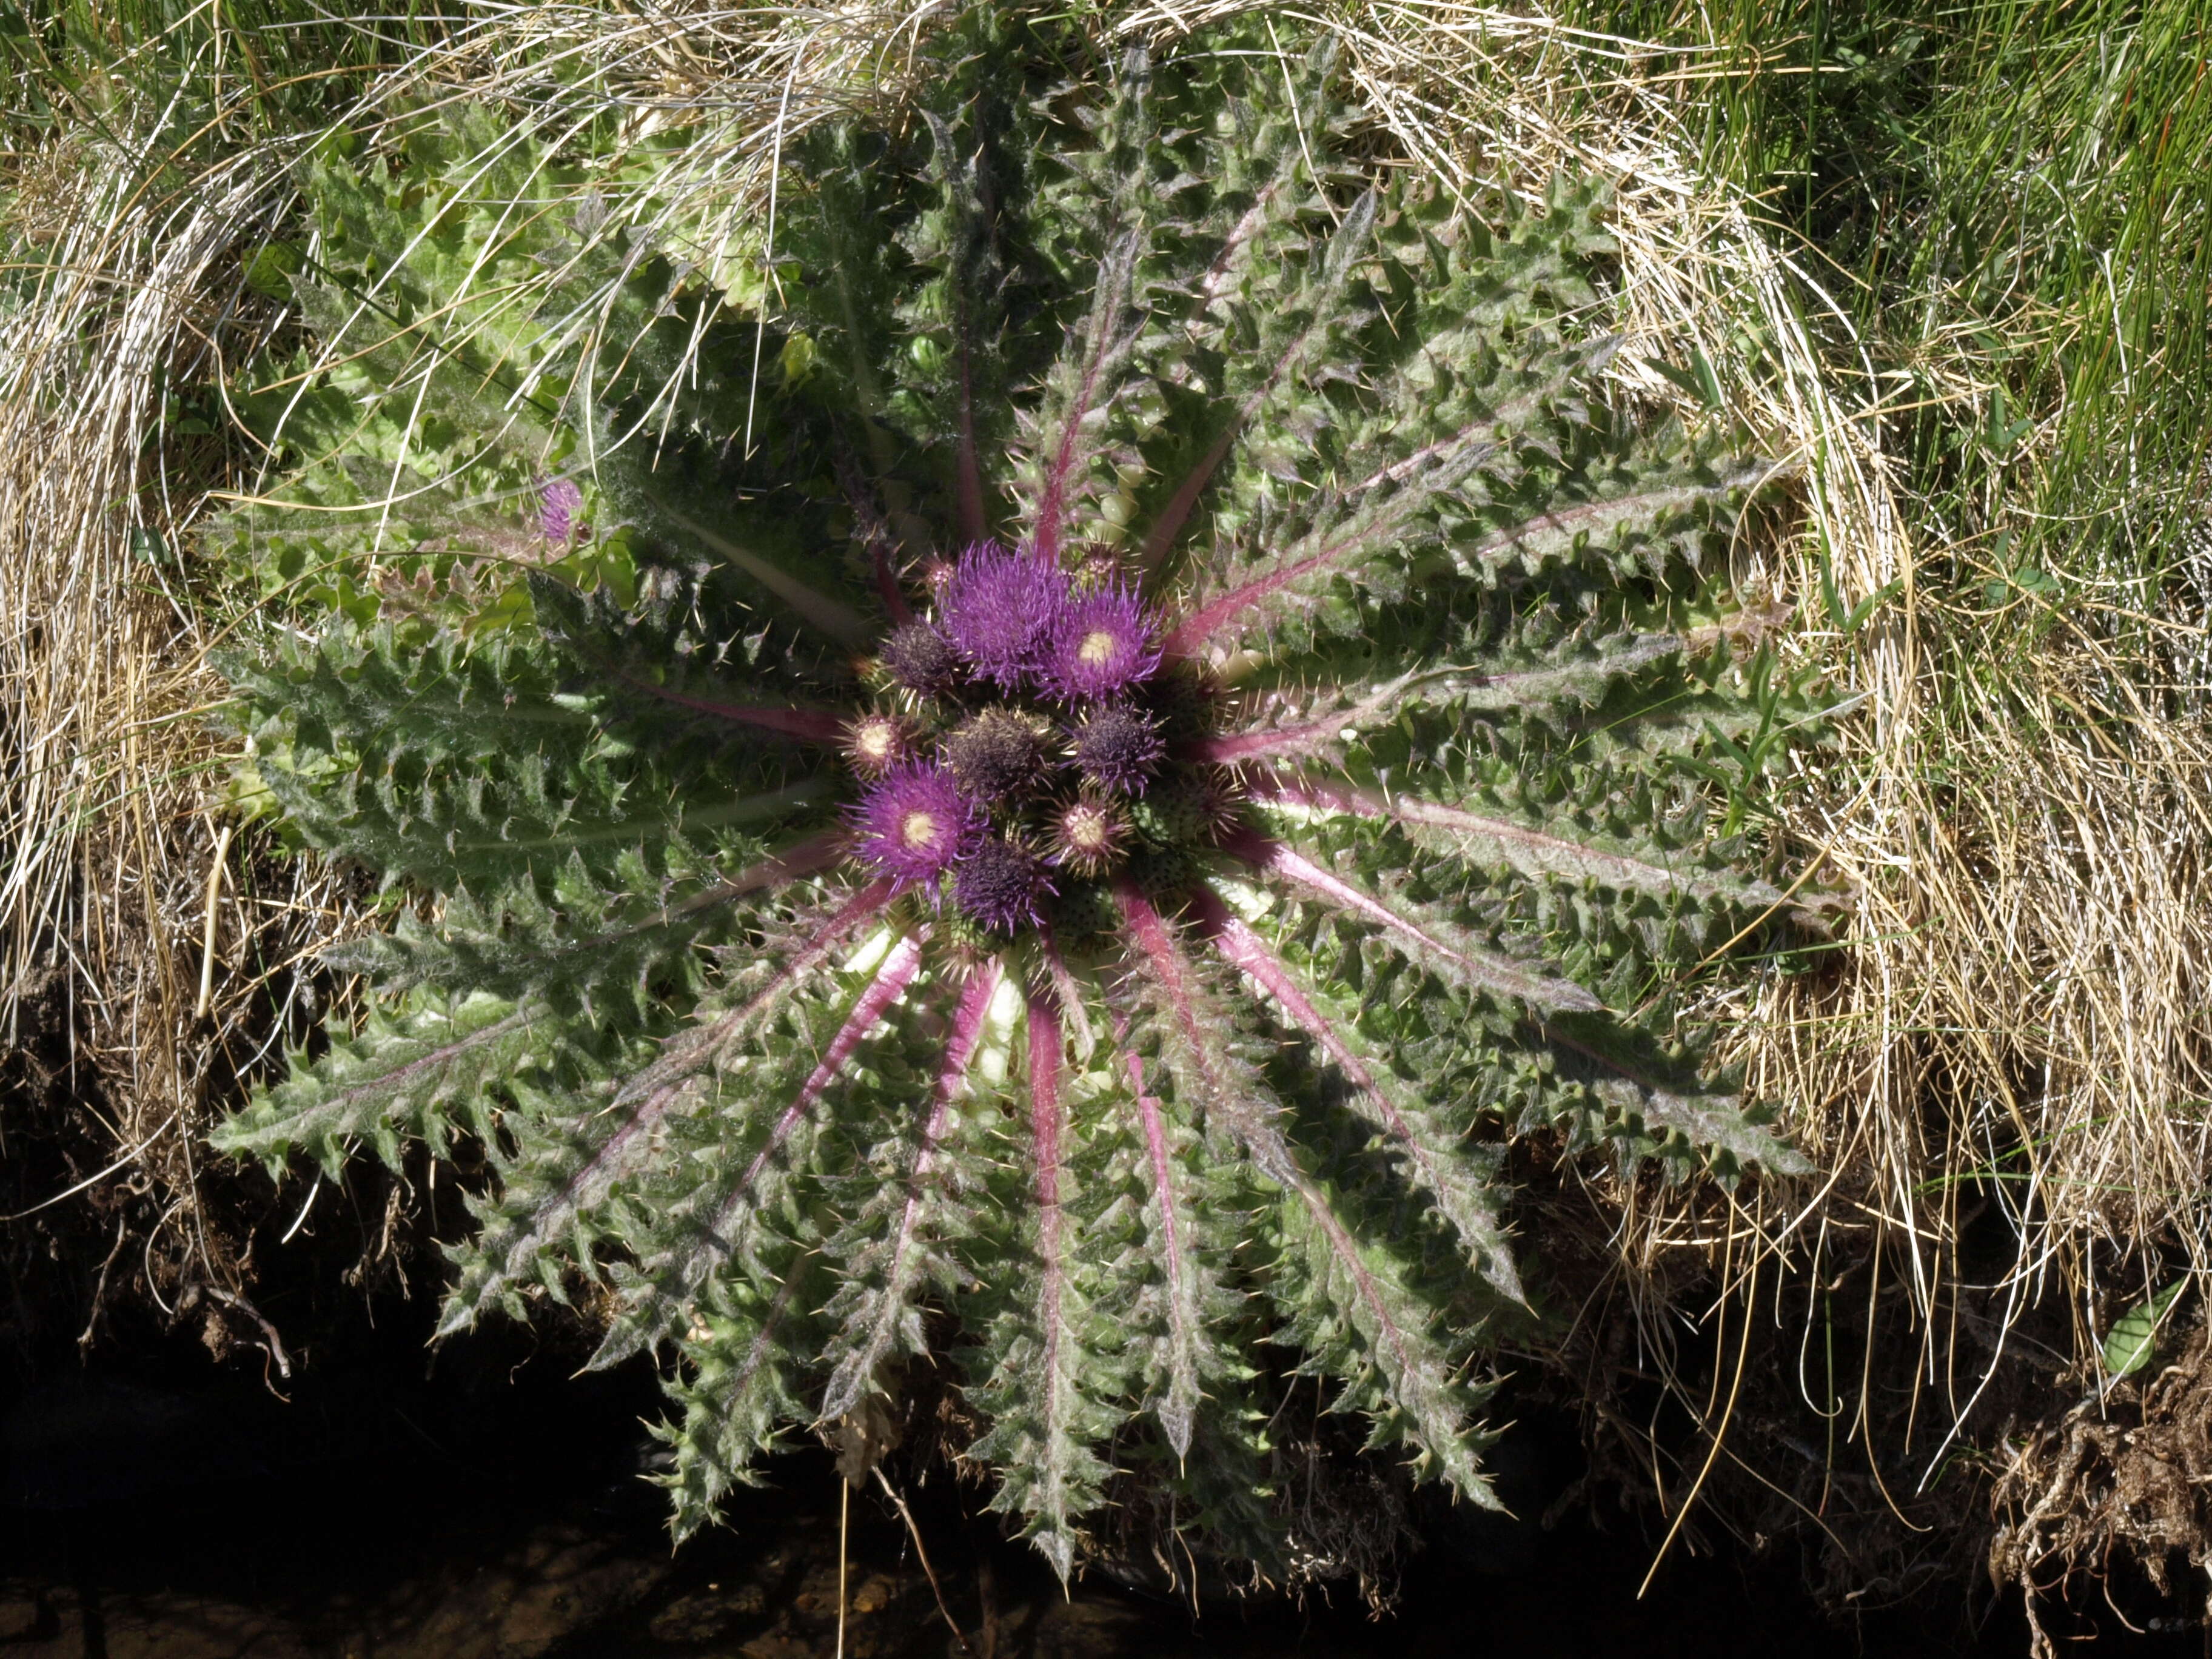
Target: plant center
(1033, 719)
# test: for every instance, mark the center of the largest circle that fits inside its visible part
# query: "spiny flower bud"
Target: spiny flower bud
(920, 659)
(1119, 747)
(1086, 910)
(1165, 872)
(999, 607)
(1197, 810)
(1185, 699)
(1001, 884)
(877, 742)
(914, 824)
(998, 756)
(1089, 835)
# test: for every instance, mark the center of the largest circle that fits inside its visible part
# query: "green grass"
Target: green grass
(235, 72)
(2013, 204)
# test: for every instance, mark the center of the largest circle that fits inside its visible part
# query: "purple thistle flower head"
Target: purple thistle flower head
(920, 659)
(1102, 642)
(998, 756)
(999, 608)
(1119, 748)
(914, 824)
(558, 502)
(1002, 885)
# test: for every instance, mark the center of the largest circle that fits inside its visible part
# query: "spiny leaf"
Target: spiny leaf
(1431, 940)
(1460, 1184)
(883, 1273)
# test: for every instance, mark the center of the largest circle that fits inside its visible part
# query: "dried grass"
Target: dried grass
(124, 280)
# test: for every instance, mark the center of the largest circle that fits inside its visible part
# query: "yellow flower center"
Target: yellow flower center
(918, 830)
(874, 740)
(1097, 650)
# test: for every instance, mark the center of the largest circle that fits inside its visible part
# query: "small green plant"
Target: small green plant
(1035, 776)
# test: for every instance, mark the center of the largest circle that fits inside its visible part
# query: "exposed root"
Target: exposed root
(2126, 1473)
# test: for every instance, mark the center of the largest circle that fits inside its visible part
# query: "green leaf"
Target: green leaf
(270, 270)
(1699, 380)
(2133, 1339)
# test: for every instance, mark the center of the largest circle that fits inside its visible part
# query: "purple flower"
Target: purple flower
(1102, 642)
(1001, 886)
(1119, 748)
(920, 659)
(999, 608)
(914, 824)
(557, 504)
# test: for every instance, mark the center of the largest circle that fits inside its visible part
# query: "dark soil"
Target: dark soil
(487, 1504)
(174, 1497)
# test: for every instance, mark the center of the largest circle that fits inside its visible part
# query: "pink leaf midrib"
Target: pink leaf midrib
(1183, 1367)
(845, 1386)
(1045, 1127)
(1113, 272)
(893, 976)
(811, 725)
(1169, 524)
(1273, 1158)
(1412, 809)
(1203, 623)
(369, 1088)
(1242, 948)
(682, 1053)
(1286, 861)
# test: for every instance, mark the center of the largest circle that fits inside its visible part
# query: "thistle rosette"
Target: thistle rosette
(1197, 732)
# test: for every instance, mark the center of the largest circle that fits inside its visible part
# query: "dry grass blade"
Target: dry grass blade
(123, 279)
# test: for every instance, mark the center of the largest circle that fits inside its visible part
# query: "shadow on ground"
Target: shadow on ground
(494, 1509)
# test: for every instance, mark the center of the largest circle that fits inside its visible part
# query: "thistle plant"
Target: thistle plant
(1077, 748)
